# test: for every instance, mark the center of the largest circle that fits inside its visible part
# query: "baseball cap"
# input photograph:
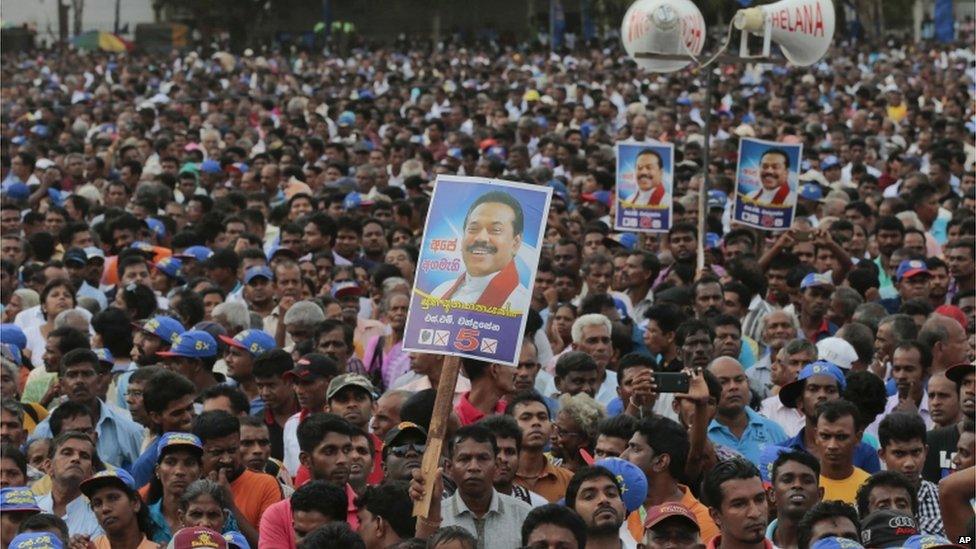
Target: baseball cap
(911, 267)
(347, 118)
(169, 266)
(18, 499)
(958, 371)
(717, 199)
(626, 241)
(104, 356)
(811, 191)
(254, 342)
(791, 391)
(75, 256)
(192, 344)
(402, 429)
(343, 289)
(119, 478)
(834, 542)
(94, 252)
(197, 537)
(173, 440)
(163, 327)
(340, 382)
(156, 226)
(196, 253)
(887, 528)
(928, 541)
(603, 197)
(816, 279)
(17, 191)
(313, 366)
(952, 312)
(767, 457)
(143, 246)
(837, 351)
(658, 513)
(210, 166)
(11, 353)
(829, 162)
(236, 539)
(36, 540)
(632, 481)
(239, 167)
(12, 334)
(258, 271)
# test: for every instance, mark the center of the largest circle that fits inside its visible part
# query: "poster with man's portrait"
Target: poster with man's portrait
(766, 184)
(644, 187)
(477, 264)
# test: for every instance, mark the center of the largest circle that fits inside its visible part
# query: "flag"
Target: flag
(557, 23)
(944, 21)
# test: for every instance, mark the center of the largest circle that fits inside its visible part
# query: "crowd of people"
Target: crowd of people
(206, 264)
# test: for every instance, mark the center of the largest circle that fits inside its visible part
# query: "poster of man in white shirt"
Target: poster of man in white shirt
(766, 183)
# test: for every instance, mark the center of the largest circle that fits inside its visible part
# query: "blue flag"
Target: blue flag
(589, 26)
(557, 23)
(944, 21)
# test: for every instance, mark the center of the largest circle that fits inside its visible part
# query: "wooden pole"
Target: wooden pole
(436, 432)
(706, 158)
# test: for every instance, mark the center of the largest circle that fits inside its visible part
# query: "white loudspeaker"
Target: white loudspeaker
(663, 35)
(802, 28)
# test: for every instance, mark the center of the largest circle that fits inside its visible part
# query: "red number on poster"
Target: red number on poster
(466, 340)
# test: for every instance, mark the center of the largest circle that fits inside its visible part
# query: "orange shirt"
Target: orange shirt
(102, 542)
(253, 493)
(551, 484)
(635, 522)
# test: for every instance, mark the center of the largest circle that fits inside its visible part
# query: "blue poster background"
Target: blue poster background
(747, 181)
(448, 327)
(642, 219)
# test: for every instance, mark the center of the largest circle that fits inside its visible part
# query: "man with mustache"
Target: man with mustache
(595, 494)
(708, 298)
(795, 490)
(736, 425)
(492, 236)
(73, 459)
(839, 432)
(737, 502)
(774, 170)
(650, 183)
(508, 435)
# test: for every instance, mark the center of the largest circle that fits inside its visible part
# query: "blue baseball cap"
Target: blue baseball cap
(192, 344)
(816, 279)
(829, 162)
(254, 342)
(143, 246)
(156, 226)
(163, 327)
(236, 539)
(13, 335)
(76, 256)
(257, 271)
(352, 201)
(347, 118)
(911, 267)
(17, 191)
(712, 240)
(11, 353)
(811, 191)
(632, 481)
(791, 391)
(210, 166)
(767, 457)
(717, 199)
(173, 439)
(169, 266)
(197, 253)
(36, 540)
(104, 356)
(119, 478)
(834, 542)
(928, 541)
(18, 499)
(624, 240)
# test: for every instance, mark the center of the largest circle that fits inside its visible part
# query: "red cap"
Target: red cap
(664, 511)
(954, 313)
(198, 537)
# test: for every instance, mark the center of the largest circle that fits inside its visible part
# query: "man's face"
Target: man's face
(533, 418)
(648, 172)
(544, 536)
(915, 287)
(473, 467)
(889, 241)
(528, 367)
(837, 440)
(772, 171)
(360, 461)
(960, 262)
(306, 522)
(943, 400)
(311, 394)
(565, 256)
(489, 241)
(598, 278)
(374, 241)
(402, 458)
(288, 282)
(816, 301)
(965, 456)
(641, 454)
(508, 458)
(80, 382)
(177, 416)
(708, 300)
(72, 461)
(593, 244)
(135, 274)
(906, 370)
(608, 446)
(939, 284)
(778, 330)
(743, 512)
(10, 221)
(890, 498)
(329, 461)
(598, 502)
(671, 533)
(728, 341)
(735, 386)
(354, 404)
(796, 489)
(595, 341)
(387, 414)
(817, 390)
(576, 382)
(333, 344)
(11, 429)
(696, 352)
(683, 246)
(10, 474)
(223, 453)
(347, 243)
(275, 391)
(259, 290)
(837, 526)
(255, 447)
(239, 363)
(906, 457)
(11, 250)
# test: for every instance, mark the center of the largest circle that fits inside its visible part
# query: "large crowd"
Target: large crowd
(206, 263)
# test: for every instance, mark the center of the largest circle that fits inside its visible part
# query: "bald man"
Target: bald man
(736, 425)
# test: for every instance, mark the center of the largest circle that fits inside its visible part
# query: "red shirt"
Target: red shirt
(276, 530)
(467, 413)
(375, 476)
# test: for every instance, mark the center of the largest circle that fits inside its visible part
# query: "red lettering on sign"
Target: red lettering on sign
(806, 19)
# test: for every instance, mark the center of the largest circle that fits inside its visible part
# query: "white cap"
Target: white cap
(838, 351)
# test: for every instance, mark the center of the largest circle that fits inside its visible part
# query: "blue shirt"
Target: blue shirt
(865, 456)
(759, 433)
(119, 438)
(143, 469)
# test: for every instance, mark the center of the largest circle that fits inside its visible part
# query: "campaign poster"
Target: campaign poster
(645, 187)
(477, 264)
(766, 184)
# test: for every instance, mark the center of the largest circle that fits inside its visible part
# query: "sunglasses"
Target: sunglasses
(402, 450)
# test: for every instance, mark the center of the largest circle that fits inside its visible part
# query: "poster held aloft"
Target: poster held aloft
(645, 187)
(766, 184)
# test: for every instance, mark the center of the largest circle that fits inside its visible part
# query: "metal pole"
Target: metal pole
(117, 10)
(706, 157)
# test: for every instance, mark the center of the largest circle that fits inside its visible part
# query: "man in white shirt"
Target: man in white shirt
(73, 455)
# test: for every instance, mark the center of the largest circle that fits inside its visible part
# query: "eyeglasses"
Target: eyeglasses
(134, 394)
(402, 450)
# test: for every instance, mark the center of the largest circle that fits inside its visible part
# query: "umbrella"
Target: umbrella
(98, 40)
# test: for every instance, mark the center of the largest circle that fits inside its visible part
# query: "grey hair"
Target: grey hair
(204, 487)
(794, 321)
(849, 299)
(234, 313)
(902, 326)
(384, 306)
(593, 319)
(14, 407)
(79, 319)
(304, 313)
(870, 314)
(799, 345)
(390, 284)
(451, 533)
(586, 412)
(28, 298)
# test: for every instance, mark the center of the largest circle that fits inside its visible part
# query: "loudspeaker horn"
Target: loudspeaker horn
(802, 28)
(663, 35)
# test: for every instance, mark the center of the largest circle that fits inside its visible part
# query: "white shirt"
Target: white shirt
(473, 286)
(643, 198)
(923, 410)
(289, 434)
(790, 419)
(78, 515)
(766, 197)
